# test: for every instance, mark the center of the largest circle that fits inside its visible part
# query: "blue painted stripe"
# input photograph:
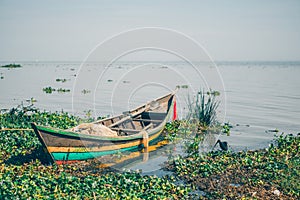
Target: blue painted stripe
(88, 155)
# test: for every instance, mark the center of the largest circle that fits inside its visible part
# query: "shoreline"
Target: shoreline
(267, 174)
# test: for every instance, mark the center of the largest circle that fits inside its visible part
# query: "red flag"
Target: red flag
(174, 110)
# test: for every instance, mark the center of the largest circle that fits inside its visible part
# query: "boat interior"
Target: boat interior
(142, 118)
(133, 125)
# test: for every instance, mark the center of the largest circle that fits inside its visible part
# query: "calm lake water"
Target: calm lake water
(255, 97)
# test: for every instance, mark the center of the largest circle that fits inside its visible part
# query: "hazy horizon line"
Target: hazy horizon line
(153, 61)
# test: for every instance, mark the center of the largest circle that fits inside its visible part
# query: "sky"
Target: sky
(229, 30)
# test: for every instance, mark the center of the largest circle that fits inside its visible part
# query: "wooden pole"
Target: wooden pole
(145, 139)
(146, 146)
(145, 156)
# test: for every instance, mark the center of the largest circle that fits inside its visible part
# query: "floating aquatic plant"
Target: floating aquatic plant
(262, 174)
(184, 86)
(11, 66)
(226, 128)
(31, 100)
(24, 177)
(85, 91)
(50, 90)
(63, 90)
(20, 142)
(61, 80)
(33, 180)
(259, 174)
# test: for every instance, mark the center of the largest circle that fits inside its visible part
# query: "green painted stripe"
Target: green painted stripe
(85, 136)
(88, 155)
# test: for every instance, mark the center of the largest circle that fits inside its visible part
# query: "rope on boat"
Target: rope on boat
(16, 129)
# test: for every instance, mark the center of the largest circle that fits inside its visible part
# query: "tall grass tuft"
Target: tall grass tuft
(203, 108)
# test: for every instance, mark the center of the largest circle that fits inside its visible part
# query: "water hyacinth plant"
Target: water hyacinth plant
(11, 66)
(22, 176)
(50, 90)
(16, 138)
(36, 181)
(270, 173)
(61, 80)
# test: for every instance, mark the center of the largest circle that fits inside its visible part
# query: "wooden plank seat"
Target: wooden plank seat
(129, 117)
(125, 130)
(120, 121)
(148, 120)
(132, 131)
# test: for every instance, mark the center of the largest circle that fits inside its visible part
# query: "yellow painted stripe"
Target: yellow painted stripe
(95, 149)
(104, 148)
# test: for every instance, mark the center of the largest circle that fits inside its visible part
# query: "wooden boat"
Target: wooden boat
(129, 131)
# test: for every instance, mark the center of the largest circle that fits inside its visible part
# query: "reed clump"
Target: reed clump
(203, 108)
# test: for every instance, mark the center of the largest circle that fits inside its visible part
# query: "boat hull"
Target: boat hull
(87, 149)
(65, 145)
